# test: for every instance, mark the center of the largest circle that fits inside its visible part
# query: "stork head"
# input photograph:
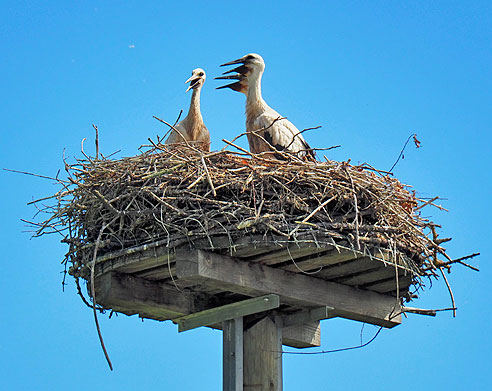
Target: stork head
(197, 79)
(251, 65)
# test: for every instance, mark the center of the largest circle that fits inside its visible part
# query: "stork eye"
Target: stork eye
(250, 57)
(201, 74)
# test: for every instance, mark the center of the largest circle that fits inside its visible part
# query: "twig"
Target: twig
(97, 141)
(177, 119)
(208, 178)
(427, 312)
(401, 152)
(36, 175)
(93, 294)
(450, 292)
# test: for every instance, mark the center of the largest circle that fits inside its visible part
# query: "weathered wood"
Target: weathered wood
(131, 295)
(348, 267)
(331, 257)
(287, 253)
(232, 355)
(138, 260)
(227, 312)
(263, 356)
(158, 273)
(367, 277)
(154, 300)
(296, 289)
(389, 285)
(299, 336)
(308, 316)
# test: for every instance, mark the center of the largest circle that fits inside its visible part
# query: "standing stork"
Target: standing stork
(191, 128)
(266, 129)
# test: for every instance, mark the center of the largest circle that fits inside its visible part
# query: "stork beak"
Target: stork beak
(193, 80)
(238, 61)
(237, 86)
(236, 76)
(243, 69)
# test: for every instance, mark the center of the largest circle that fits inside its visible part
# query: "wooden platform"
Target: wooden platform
(158, 283)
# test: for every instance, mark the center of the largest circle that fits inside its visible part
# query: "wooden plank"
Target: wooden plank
(348, 267)
(300, 336)
(135, 261)
(131, 295)
(287, 254)
(295, 289)
(155, 300)
(158, 273)
(330, 258)
(232, 355)
(389, 285)
(262, 356)
(365, 277)
(302, 317)
(227, 312)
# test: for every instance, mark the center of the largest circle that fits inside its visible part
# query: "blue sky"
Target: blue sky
(371, 73)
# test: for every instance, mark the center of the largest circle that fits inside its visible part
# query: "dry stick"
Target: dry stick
(259, 130)
(177, 131)
(97, 141)
(159, 199)
(321, 206)
(356, 218)
(179, 116)
(367, 166)
(450, 291)
(208, 178)
(460, 261)
(36, 175)
(82, 150)
(256, 133)
(84, 300)
(422, 311)
(302, 131)
(401, 152)
(169, 268)
(93, 292)
(426, 203)
(106, 203)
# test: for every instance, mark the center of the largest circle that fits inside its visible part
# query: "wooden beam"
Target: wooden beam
(307, 335)
(263, 356)
(308, 316)
(227, 312)
(132, 295)
(294, 289)
(154, 300)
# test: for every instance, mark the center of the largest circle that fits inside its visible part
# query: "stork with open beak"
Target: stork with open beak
(191, 128)
(265, 131)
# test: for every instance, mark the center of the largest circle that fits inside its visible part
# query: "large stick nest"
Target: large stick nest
(181, 195)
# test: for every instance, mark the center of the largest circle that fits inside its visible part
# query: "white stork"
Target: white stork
(265, 131)
(191, 128)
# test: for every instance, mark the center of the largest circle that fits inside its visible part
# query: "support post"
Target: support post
(232, 355)
(263, 356)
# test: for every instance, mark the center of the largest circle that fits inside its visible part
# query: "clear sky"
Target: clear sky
(370, 73)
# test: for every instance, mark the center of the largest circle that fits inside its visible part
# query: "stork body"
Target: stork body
(192, 128)
(266, 129)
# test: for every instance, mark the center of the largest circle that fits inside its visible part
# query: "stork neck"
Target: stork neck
(194, 112)
(254, 91)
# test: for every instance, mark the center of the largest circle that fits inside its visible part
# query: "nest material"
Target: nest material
(182, 195)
